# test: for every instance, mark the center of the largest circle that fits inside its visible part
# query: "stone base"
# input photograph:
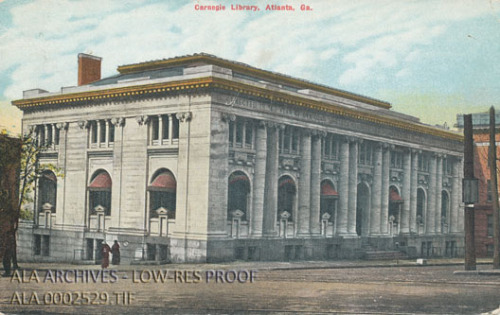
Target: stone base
(50, 245)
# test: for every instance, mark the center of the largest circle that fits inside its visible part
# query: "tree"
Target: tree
(29, 170)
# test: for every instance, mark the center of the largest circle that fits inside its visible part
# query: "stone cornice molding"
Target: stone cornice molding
(159, 90)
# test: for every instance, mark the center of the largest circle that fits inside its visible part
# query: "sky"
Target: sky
(432, 59)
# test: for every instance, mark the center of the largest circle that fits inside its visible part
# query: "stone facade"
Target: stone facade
(199, 159)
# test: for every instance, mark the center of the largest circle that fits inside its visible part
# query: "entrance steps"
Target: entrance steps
(384, 255)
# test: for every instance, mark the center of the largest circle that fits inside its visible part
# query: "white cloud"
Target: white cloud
(40, 47)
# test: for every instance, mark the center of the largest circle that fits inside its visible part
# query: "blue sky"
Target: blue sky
(429, 58)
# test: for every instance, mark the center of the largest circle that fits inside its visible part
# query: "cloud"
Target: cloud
(346, 42)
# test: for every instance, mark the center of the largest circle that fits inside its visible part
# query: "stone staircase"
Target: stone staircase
(370, 252)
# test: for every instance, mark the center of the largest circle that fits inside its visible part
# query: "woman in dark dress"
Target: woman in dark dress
(115, 250)
(105, 255)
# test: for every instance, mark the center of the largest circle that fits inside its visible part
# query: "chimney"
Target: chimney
(89, 69)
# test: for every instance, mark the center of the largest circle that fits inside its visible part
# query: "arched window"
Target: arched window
(47, 191)
(286, 196)
(100, 192)
(238, 193)
(420, 205)
(162, 193)
(328, 201)
(445, 204)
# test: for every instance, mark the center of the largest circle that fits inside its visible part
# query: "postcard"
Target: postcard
(233, 157)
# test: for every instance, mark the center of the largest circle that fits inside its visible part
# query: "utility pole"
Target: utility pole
(469, 190)
(492, 159)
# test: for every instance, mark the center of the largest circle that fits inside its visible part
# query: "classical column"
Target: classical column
(271, 192)
(456, 197)
(343, 187)
(431, 202)
(304, 185)
(170, 128)
(259, 179)
(106, 136)
(353, 187)
(405, 213)
(98, 122)
(413, 193)
(384, 211)
(376, 191)
(439, 188)
(160, 129)
(316, 183)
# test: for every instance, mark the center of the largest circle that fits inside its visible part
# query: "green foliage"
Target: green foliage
(31, 169)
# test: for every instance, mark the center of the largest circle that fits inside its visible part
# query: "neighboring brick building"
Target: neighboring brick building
(483, 218)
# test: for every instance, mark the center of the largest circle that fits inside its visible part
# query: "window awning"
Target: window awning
(328, 191)
(101, 181)
(394, 196)
(50, 176)
(164, 181)
(286, 181)
(237, 177)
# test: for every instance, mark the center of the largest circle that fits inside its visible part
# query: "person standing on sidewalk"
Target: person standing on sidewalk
(115, 251)
(105, 255)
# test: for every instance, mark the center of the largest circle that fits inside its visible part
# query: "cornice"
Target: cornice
(246, 69)
(166, 88)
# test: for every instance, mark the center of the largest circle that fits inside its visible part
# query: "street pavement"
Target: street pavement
(347, 287)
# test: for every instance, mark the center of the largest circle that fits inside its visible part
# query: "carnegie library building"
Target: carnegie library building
(202, 159)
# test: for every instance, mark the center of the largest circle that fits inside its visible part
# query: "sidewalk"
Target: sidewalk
(484, 265)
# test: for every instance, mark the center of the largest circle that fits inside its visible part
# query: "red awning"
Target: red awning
(164, 181)
(235, 178)
(327, 190)
(102, 181)
(286, 181)
(50, 176)
(394, 196)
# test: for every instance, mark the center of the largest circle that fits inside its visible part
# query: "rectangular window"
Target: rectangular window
(57, 136)
(165, 121)
(45, 245)
(111, 135)
(175, 127)
(102, 125)
(286, 142)
(239, 132)
(231, 133)
(423, 163)
(155, 124)
(37, 246)
(248, 134)
(295, 141)
(490, 225)
(93, 132)
(396, 159)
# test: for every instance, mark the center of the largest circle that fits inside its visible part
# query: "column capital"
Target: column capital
(62, 125)
(184, 116)
(275, 125)
(227, 117)
(318, 133)
(142, 119)
(84, 124)
(118, 121)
